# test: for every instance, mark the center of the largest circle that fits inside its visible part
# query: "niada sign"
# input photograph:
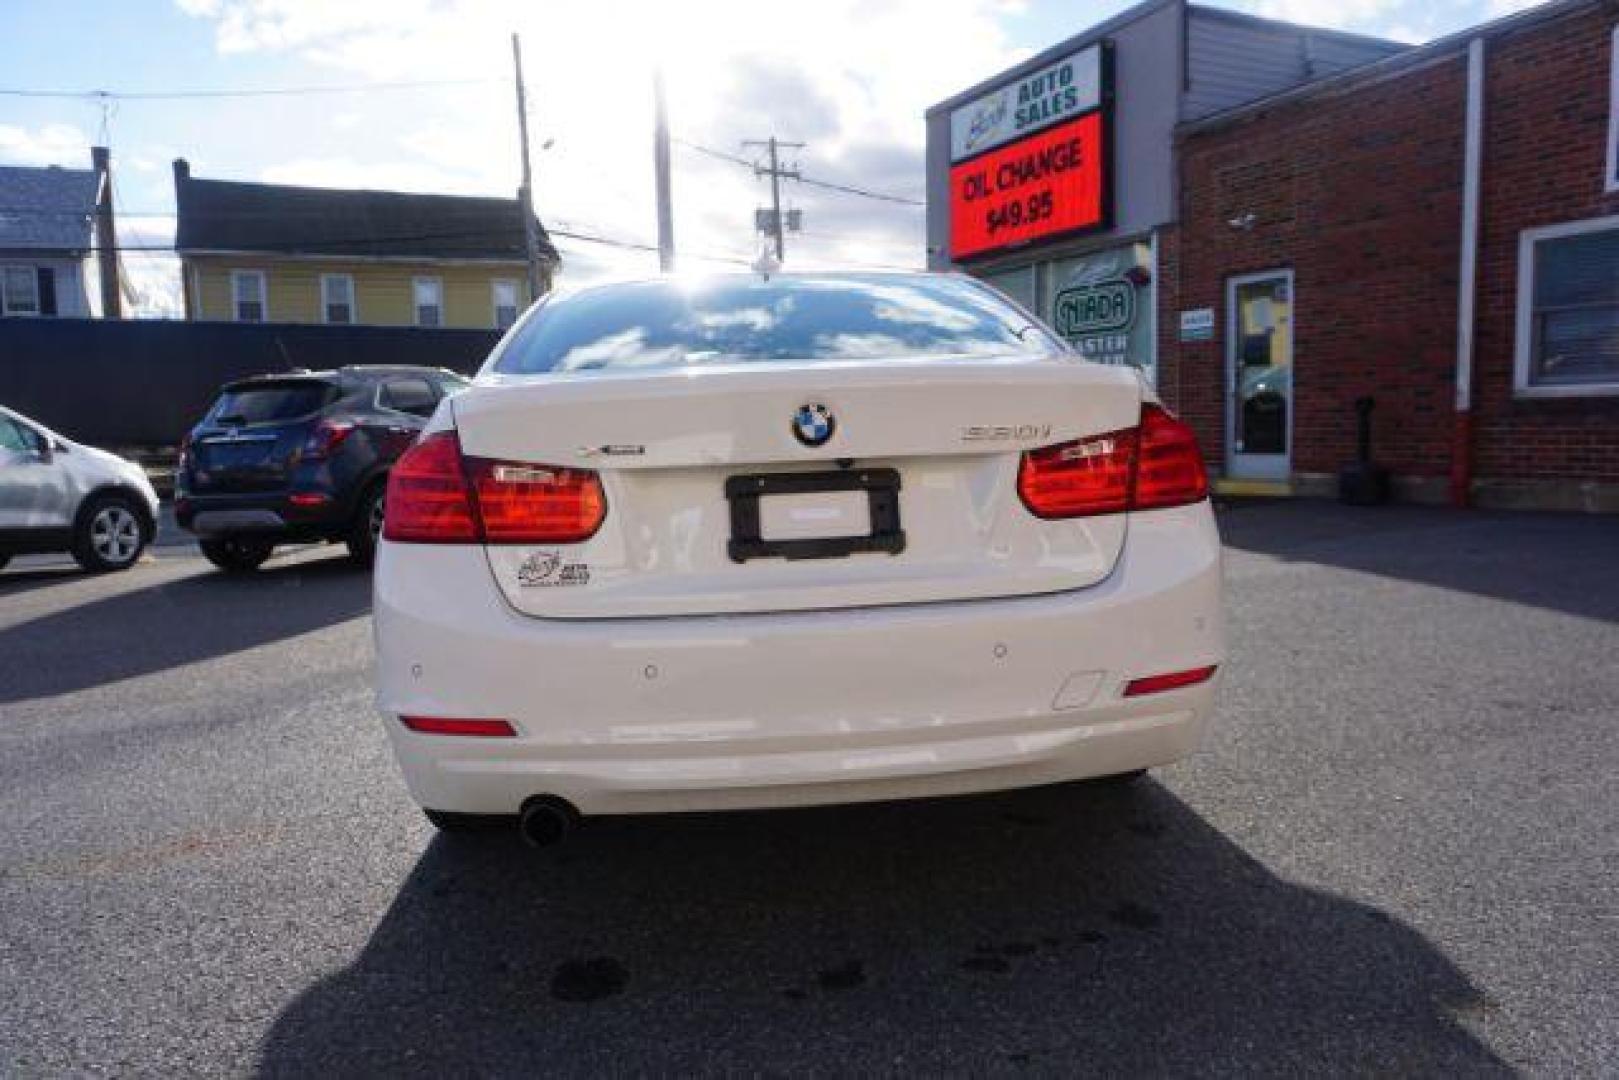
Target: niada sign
(1103, 305)
(1067, 88)
(1099, 308)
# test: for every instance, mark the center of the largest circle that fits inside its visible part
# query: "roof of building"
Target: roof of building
(49, 209)
(1134, 14)
(1392, 66)
(225, 215)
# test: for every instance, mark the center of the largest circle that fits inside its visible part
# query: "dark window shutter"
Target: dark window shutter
(47, 291)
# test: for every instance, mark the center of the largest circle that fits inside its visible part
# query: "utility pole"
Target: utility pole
(525, 194)
(775, 171)
(106, 238)
(660, 163)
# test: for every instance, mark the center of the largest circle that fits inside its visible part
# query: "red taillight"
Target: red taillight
(452, 725)
(1169, 468)
(1075, 479)
(428, 501)
(324, 440)
(436, 496)
(1153, 465)
(309, 499)
(1174, 680)
(536, 504)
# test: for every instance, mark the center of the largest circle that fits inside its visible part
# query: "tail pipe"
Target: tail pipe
(546, 821)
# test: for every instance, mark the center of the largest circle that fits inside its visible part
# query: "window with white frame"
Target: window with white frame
(337, 297)
(1568, 310)
(506, 303)
(247, 293)
(429, 301)
(19, 290)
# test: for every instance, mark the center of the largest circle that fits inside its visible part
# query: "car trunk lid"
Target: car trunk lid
(911, 498)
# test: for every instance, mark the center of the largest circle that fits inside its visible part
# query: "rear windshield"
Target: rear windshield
(267, 402)
(730, 320)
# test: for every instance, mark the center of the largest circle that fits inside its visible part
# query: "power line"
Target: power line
(848, 189)
(265, 91)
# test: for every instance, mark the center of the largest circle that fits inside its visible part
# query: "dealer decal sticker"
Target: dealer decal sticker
(545, 569)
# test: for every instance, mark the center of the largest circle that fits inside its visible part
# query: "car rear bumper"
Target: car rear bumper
(719, 712)
(263, 513)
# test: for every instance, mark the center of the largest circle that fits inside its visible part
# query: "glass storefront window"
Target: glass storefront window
(1018, 283)
(1104, 303)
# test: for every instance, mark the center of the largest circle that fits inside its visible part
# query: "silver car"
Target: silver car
(59, 495)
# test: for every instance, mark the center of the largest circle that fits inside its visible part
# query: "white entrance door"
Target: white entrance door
(1259, 375)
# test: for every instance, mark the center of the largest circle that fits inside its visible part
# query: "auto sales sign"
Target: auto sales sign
(1030, 160)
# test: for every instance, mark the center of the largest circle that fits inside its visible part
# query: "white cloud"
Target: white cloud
(1498, 8)
(389, 175)
(53, 144)
(850, 77)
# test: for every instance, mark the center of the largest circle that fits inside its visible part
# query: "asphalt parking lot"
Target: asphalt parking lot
(1398, 854)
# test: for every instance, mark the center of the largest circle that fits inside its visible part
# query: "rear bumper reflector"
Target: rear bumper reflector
(1174, 680)
(446, 725)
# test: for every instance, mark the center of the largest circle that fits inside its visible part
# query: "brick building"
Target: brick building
(1325, 230)
(1277, 221)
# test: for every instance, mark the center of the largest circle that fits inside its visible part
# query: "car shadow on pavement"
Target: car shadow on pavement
(1541, 559)
(1061, 929)
(143, 628)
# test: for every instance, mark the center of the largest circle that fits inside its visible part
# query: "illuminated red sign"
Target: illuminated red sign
(1050, 183)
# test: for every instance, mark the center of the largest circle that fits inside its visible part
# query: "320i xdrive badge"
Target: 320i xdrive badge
(881, 536)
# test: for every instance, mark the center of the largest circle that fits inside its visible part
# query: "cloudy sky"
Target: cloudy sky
(850, 78)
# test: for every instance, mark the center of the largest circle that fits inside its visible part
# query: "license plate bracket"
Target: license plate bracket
(882, 494)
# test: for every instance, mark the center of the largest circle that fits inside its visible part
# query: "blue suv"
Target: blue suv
(299, 458)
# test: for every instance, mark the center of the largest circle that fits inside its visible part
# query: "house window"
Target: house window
(337, 297)
(429, 295)
(247, 291)
(505, 297)
(19, 290)
(1568, 310)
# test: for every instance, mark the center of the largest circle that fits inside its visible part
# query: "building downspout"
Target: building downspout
(1461, 450)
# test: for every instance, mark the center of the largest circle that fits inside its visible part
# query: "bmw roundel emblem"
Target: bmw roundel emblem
(813, 424)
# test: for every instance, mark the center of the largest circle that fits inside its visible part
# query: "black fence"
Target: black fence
(133, 383)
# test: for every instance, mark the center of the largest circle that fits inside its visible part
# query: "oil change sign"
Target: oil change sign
(1040, 186)
(1056, 92)
(1029, 161)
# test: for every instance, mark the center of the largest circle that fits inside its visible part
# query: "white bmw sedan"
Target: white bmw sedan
(759, 542)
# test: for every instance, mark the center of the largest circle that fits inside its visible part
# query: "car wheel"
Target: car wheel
(236, 554)
(444, 821)
(367, 527)
(109, 534)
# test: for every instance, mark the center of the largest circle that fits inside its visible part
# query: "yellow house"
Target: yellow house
(277, 253)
